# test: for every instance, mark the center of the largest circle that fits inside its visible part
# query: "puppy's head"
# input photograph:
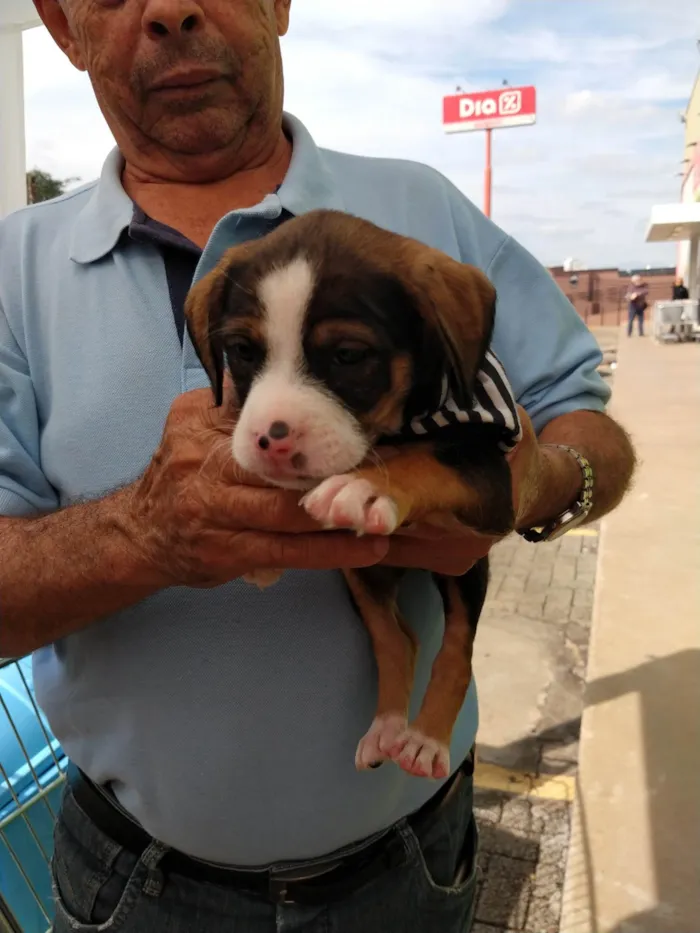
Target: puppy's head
(335, 333)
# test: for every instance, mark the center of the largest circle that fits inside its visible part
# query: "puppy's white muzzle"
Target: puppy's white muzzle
(294, 434)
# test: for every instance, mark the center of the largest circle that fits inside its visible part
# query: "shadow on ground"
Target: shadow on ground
(554, 750)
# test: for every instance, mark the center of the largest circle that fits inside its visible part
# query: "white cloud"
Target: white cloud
(581, 101)
(396, 15)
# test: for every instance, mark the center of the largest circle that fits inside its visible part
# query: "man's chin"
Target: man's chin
(195, 133)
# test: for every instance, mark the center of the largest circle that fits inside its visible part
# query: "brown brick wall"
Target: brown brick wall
(599, 294)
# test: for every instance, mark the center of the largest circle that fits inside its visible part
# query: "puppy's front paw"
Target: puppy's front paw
(262, 578)
(348, 501)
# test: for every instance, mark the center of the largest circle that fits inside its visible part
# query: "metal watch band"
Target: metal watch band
(575, 514)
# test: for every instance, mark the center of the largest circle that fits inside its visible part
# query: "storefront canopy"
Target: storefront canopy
(15, 16)
(679, 222)
(674, 222)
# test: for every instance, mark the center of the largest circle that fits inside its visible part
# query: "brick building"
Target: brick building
(599, 294)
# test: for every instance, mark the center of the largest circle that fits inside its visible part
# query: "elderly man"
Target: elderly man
(211, 725)
(637, 295)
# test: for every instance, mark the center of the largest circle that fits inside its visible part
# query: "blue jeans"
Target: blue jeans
(633, 313)
(99, 887)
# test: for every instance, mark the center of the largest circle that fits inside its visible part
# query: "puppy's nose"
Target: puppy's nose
(274, 442)
(278, 430)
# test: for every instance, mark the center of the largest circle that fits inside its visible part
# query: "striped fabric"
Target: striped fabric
(493, 403)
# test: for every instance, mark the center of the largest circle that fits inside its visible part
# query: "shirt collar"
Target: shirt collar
(308, 185)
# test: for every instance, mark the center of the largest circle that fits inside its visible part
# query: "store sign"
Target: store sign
(509, 106)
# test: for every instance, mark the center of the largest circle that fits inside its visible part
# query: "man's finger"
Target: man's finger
(449, 557)
(260, 509)
(436, 527)
(329, 550)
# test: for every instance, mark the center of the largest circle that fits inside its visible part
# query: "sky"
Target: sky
(368, 77)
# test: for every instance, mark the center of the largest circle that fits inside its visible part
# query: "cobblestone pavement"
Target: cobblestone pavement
(522, 862)
(547, 593)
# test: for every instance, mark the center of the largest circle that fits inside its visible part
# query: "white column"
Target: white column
(13, 187)
(694, 267)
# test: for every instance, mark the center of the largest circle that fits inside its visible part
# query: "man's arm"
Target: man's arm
(551, 478)
(191, 520)
(546, 481)
(60, 572)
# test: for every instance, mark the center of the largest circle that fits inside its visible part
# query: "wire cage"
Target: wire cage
(32, 774)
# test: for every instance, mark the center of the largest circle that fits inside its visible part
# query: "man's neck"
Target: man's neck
(194, 209)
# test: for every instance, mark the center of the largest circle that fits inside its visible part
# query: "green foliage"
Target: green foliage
(42, 187)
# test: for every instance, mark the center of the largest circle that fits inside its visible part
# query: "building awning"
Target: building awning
(674, 222)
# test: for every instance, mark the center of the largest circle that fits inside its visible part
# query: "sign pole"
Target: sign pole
(489, 111)
(488, 174)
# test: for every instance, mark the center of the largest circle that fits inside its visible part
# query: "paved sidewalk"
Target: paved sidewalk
(530, 664)
(635, 857)
(531, 652)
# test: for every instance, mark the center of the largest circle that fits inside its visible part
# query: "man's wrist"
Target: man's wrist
(130, 562)
(559, 487)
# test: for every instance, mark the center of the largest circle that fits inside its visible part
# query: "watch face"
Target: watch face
(567, 522)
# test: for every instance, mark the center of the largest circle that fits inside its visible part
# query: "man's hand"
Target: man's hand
(195, 519)
(440, 545)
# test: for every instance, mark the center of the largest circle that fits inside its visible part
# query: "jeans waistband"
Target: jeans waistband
(295, 883)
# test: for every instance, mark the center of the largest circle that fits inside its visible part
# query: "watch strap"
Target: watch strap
(576, 513)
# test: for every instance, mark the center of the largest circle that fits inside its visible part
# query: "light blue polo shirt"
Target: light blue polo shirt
(226, 720)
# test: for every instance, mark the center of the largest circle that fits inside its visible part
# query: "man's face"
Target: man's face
(188, 76)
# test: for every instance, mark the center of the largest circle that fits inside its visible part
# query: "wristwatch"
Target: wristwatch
(576, 514)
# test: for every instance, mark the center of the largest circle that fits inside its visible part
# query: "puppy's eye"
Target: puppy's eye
(243, 350)
(351, 354)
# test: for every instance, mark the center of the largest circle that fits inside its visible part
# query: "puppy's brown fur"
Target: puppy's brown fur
(460, 471)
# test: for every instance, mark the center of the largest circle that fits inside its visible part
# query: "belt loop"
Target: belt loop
(151, 859)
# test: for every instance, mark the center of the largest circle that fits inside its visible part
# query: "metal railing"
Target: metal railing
(605, 304)
(32, 774)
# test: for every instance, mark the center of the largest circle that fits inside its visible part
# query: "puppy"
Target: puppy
(345, 341)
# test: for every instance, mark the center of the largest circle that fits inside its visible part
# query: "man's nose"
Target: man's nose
(163, 18)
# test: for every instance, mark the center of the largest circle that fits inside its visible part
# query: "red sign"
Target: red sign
(509, 106)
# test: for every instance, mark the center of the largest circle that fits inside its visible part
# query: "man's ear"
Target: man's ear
(54, 15)
(282, 11)
(458, 303)
(204, 307)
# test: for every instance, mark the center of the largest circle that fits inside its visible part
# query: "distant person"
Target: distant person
(636, 298)
(680, 292)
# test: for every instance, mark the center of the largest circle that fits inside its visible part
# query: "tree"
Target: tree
(42, 187)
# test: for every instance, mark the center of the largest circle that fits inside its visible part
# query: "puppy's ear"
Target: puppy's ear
(458, 303)
(204, 309)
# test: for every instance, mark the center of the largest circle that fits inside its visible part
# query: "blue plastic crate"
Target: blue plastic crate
(32, 774)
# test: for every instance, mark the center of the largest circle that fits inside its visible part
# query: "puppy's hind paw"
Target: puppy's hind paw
(374, 747)
(420, 755)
